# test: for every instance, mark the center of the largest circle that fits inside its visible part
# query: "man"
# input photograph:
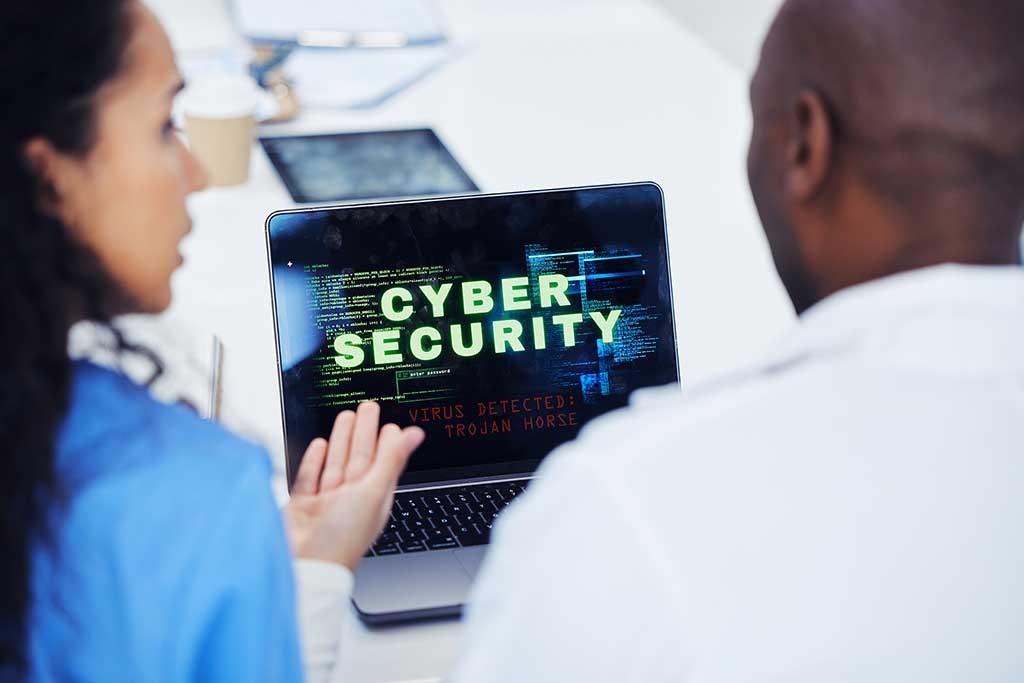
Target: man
(847, 508)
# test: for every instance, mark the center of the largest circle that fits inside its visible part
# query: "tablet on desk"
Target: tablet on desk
(390, 164)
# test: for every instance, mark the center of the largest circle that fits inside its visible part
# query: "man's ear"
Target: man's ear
(810, 149)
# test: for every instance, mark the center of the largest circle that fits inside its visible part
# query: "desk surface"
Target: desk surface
(547, 95)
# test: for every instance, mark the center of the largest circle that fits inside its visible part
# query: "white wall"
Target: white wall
(735, 28)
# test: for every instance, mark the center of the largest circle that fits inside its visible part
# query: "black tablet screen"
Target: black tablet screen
(374, 165)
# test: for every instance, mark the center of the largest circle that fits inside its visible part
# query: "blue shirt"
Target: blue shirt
(171, 562)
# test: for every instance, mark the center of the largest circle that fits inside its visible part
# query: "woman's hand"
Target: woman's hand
(342, 494)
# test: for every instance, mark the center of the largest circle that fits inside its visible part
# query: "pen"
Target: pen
(212, 408)
(347, 39)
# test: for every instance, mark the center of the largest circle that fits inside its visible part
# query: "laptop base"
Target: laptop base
(427, 585)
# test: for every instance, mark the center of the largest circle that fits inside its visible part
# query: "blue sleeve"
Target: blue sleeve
(247, 628)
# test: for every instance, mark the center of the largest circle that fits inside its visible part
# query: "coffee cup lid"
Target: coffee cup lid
(221, 96)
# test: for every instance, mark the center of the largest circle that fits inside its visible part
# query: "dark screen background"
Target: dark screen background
(490, 413)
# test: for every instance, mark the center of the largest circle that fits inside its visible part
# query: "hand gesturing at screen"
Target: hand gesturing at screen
(344, 488)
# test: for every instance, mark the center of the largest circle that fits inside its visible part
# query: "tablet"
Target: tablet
(389, 164)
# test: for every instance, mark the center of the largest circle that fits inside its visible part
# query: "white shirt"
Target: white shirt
(850, 508)
(322, 592)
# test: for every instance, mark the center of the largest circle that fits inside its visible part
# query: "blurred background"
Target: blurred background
(734, 28)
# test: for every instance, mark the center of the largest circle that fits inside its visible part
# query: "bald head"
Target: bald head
(903, 122)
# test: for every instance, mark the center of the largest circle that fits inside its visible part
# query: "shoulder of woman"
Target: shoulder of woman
(115, 430)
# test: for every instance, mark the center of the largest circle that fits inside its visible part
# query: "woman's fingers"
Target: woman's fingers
(308, 477)
(364, 440)
(393, 451)
(356, 447)
(338, 450)
(353, 514)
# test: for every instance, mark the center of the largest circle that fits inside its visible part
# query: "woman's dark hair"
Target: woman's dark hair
(54, 58)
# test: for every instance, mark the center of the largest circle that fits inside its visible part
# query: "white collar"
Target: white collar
(993, 294)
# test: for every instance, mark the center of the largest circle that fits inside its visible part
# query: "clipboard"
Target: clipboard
(340, 24)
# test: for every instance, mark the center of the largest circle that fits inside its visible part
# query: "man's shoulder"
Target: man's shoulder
(662, 421)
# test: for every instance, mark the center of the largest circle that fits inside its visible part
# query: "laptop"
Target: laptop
(499, 323)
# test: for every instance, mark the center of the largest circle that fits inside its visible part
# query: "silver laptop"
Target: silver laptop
(499, 323)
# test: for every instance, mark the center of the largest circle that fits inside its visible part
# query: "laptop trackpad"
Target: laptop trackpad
(470, 558)
(410, 583)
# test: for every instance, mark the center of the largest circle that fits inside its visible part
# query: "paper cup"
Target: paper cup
(222, 145)
(220, 124)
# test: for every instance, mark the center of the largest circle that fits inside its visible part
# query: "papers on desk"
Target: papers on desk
(336, 79)
(350, 54)
(359, 79)
(341, 23)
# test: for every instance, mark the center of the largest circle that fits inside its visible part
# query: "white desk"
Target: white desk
(551, 94)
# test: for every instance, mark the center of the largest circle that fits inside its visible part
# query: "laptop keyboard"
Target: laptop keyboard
(439, 519)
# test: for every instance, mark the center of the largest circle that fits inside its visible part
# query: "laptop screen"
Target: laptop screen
(500, 324)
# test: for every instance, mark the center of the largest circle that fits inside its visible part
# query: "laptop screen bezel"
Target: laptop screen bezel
(453, 475)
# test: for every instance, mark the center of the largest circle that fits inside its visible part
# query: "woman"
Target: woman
(140, 542)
